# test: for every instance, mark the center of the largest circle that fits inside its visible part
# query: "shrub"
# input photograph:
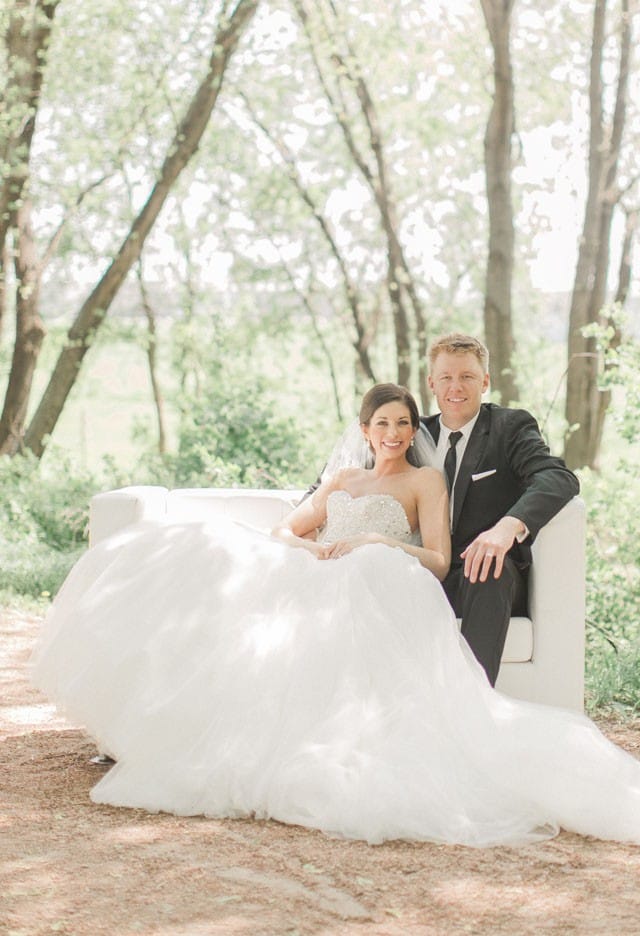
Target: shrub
(613, 588)
(232, 436)
(43, 522)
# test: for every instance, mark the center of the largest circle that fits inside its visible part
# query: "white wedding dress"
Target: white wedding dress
(232, 675)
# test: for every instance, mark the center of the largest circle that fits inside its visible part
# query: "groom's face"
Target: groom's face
(458, 382)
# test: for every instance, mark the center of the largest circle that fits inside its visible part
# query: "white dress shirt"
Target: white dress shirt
(443, 447)
(443, 444)
(441, 452)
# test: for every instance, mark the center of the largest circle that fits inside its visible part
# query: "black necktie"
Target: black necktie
(450, 459)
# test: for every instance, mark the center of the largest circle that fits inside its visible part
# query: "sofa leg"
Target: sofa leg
(102, 760)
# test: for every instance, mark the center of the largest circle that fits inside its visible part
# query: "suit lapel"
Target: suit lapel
(472, 454)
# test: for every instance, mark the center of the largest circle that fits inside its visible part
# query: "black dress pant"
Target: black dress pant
(486, 609)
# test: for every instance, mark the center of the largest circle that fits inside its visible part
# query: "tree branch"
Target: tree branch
(93, 311)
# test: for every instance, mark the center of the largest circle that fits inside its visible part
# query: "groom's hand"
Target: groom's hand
(491, 546)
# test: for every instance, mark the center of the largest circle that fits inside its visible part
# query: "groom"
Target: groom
(504, 486)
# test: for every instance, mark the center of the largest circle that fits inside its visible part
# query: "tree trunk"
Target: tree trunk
(497, 154)
(152, 347)
(93, 311)
(29, 335)
(26, 41)
(4, 265)
(622, 292)
(583, 405)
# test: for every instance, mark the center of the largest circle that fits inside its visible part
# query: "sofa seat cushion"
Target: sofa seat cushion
(518, 647)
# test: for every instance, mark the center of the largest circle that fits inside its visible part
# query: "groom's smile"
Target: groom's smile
(458, 382)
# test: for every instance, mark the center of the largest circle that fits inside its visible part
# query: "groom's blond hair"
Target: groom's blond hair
(457, 343)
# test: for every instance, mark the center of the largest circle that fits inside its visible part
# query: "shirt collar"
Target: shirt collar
(466, 430)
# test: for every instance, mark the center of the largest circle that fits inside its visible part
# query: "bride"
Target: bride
(326, 685)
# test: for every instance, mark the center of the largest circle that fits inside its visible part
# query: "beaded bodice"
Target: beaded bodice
(371, 513)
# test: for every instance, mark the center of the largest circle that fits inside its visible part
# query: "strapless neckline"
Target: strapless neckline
(369, 513)
(390, 497)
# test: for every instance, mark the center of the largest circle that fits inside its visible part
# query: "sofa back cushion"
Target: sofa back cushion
(261, 509)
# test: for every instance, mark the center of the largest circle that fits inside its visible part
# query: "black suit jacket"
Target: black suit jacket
(507, 468)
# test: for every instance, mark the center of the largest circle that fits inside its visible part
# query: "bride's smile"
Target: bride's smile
(390, 432)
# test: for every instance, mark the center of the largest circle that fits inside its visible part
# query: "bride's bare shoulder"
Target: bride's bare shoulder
(429, 476)
(346, 476)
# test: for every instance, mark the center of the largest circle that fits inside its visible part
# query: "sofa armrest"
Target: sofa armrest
(557, 603)
(113, 510)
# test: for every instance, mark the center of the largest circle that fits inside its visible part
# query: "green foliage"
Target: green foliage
(54, 509)
(613, 681)
(233, 436)
(613, 588)
(620, 356)
(613, 542)
(43, 522)
(33, 568)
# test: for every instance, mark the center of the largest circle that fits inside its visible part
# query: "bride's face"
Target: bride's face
(389, 432)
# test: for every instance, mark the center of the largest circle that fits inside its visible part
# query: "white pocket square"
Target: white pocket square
(483, 474)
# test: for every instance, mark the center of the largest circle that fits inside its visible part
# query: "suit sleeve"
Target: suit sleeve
(548, 483)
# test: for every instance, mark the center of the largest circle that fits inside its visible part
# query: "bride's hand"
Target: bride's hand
(316, 549)
(344, 546)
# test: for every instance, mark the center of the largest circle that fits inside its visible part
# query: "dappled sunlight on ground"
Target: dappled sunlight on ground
(68, 866)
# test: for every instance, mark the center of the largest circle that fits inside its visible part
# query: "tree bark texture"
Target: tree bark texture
(93, 311)
(498, 137)
(29, 335)
(4, 262)
(152, 361)
(583, 405)
(26, 41)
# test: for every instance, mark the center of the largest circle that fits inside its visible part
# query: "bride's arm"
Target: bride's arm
(432, 504)
(433, 519)
(299, 528)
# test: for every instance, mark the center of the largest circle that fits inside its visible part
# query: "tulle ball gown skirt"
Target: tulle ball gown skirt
(230, 675)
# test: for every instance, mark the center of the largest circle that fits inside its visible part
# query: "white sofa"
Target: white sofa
(543, 659)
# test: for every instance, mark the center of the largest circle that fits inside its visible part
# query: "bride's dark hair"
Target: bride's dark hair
(383, 393)
(353, 451)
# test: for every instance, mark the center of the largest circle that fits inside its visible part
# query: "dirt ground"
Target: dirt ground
(68, 866)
